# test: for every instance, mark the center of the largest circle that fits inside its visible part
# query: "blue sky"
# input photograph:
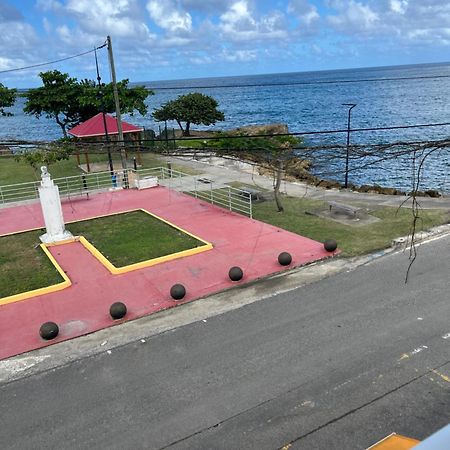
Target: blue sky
(173, 39)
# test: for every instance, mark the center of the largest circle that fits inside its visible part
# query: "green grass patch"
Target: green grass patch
(133, 237)
(13, 172)
(352, 241)
(23, 265)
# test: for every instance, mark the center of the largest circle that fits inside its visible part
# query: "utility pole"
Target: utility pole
(352, 105)
(116, 100)
(102, 107)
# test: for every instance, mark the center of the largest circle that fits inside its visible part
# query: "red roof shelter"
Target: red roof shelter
(95, 126)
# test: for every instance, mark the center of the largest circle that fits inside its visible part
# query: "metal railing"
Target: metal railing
(19, 192)
(228, 197)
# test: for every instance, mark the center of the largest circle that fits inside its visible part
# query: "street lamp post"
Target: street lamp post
(347, 155)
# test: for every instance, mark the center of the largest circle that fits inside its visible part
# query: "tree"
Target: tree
(93, 100)
(7, 99)
(56, 99)
(69, 102)
(45, 156)
(267, 145)
(191, 108)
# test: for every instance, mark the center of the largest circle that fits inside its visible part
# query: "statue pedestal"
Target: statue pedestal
(52, 211)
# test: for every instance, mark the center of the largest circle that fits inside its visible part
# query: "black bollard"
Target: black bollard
(118, 310)
(235, 273)
(49, 330)
(284, 258)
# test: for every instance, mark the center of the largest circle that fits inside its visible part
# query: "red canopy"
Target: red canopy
(96, 127)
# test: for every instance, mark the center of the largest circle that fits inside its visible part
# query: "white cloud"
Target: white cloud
(47, 25)
(97, 18)
(401, 22)
(399, 6)
(49, 5)
(354, 17)
(168, 16)
(200, 60)
(239, 55)
(239, 24)
(302, 9)
(17, 38)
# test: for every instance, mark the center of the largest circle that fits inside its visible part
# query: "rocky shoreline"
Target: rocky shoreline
(298, 169)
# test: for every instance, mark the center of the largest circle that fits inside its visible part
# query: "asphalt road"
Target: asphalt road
(338, 364)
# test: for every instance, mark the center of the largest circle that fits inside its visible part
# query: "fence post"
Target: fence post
(211, 192)
(250, 204)
(88, 166)
(195, 188)
(229, 198)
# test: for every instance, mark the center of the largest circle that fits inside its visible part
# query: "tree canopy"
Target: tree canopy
(195, 108)
(69, 101)
(47, 155)
(270, 146)
(7, 99)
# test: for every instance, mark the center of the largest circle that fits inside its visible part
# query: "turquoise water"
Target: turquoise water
(311, 101)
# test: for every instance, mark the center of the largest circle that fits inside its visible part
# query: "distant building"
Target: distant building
(95, 128)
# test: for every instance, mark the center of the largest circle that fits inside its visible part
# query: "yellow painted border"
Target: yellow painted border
(97, 254)
(150, 262)
(45, 290)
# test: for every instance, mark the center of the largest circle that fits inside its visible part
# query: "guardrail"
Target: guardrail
(233, 199)
(227, 197)
(19, 192)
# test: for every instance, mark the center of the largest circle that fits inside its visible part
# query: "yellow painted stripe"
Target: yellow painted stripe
(100, 257)
(45, 290)
(150, 262)
(142, 264)
(175, 226)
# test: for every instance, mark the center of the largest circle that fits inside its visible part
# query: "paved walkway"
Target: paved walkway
(84, 307)
(223, 171)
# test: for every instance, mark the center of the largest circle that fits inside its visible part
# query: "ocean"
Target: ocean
(313, 101)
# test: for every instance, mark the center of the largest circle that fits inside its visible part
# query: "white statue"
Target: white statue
(51, 209)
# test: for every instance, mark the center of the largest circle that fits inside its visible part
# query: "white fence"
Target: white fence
(233, 199)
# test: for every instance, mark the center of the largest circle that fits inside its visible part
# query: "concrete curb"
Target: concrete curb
(107, 340)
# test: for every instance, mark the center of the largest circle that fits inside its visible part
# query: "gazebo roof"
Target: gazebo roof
(96, 127)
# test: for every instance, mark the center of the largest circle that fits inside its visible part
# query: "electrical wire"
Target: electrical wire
(52, 62)
(300, 133)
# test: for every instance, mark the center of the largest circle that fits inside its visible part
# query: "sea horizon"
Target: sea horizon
(309, 101)
(303, 72)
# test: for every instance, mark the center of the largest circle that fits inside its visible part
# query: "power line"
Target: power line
(306, 133)
(52, 62)
(256, 136)
(299, 83)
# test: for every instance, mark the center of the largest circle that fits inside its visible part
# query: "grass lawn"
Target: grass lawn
(132, 237)
(23, 266)
(12, 172)
(123, 238)
(352, 241)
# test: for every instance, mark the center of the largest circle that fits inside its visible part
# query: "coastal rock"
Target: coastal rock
(432, 193)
